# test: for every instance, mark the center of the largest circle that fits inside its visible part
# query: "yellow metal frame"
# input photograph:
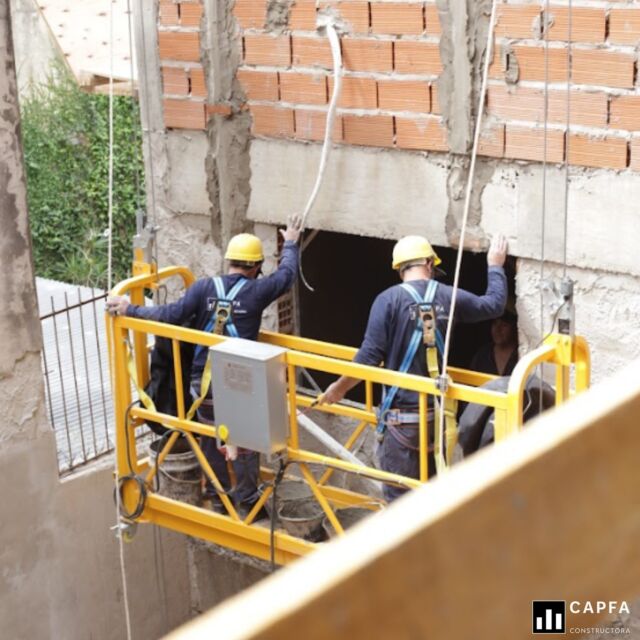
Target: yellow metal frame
(241, 535)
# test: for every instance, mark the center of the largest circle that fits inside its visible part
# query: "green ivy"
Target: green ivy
(65, 135)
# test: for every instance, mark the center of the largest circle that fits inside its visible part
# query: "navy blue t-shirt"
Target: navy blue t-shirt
(254, 297)
(390, 326)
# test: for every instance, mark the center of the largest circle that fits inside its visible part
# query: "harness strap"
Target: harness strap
(412, 349)
(448, 405)
(220, 322)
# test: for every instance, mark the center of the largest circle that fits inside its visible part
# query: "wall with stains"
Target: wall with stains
(59, 561)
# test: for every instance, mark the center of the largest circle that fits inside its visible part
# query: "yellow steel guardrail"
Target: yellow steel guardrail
(240, 535)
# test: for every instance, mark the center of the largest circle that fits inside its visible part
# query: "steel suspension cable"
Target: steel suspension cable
(467, 206)
(545, 146)
(567, 135)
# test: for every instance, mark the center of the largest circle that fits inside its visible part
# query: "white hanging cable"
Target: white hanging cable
(110, 178)
(467, 206)
(123, 572)
(336, 54)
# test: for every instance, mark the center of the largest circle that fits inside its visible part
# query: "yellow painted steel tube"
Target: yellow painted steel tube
(161, 456)
(142, 282)
(424, 440)
(294, 439)
(171, 421)
(222, 530)
(324, 503)
(298, 455)
(209, 472)
(337, 409)
(518, 381)
(583, 364)
(177, 370)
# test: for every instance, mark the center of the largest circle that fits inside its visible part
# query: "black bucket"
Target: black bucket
(303, 519)
(347, 518)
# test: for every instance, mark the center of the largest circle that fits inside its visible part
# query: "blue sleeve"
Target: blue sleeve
(473, 308)
(373, 348)
(175, 312)
(271, 287)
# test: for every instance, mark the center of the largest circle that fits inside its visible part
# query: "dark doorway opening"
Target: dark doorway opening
(349, 271)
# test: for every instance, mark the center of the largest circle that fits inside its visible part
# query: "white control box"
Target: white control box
(249, 385)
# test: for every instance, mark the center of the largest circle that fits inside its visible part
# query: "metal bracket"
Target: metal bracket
(144, 240)
(125, 529)
(443, 382)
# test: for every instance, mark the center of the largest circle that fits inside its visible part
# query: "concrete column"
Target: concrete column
(27, 454)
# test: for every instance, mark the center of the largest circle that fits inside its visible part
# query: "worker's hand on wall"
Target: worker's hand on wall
(293, 230)
(117, 305)
(497, 251)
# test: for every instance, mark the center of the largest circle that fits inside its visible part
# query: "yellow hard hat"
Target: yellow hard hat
(413, 248)
(245, 247)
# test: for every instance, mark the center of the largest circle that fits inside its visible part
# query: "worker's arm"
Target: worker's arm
(371, 352)
(173, 313)
(281, 280)
(473, 308)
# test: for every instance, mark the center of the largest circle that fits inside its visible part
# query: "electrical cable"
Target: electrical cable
(467, 206)
(274, 513)
(334, 42)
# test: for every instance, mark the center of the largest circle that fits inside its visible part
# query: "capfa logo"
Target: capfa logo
(599, 606)
(549, 616)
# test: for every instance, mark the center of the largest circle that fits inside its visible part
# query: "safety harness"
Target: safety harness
(221, 321)
(427, 333)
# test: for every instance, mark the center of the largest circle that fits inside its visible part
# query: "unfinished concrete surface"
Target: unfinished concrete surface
(60, 573)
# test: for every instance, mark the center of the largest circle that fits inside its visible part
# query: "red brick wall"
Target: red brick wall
(184, 90)
(604, 95)
(392, 61)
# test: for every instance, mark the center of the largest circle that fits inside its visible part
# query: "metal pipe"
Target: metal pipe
(335, 448)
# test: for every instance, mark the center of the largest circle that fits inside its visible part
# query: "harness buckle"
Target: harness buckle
(222, 315)
(428, 317)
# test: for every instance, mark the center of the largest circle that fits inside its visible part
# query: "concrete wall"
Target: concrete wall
(35, 46)
(59, 569)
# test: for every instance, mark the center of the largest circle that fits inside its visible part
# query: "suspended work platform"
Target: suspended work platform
(129, 340)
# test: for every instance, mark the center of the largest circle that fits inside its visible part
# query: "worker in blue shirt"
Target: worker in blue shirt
(248, 295)
(391, 326)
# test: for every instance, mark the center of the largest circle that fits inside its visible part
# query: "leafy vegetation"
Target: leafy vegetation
(65, 136)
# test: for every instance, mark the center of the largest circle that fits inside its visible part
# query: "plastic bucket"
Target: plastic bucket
(302, 518)
(347, 518)
(179, 473)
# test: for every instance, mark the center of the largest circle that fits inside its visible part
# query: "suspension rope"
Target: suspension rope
(467, 205)
(334, 42)
(123, 571)
(567, 136)
(110, 169)
(545, 146)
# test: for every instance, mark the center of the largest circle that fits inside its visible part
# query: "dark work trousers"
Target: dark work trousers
(399, 453)
(246, 466)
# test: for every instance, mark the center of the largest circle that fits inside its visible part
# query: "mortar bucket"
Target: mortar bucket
(347, 518)
(288, 491)
(302, 518)
(179, 474)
